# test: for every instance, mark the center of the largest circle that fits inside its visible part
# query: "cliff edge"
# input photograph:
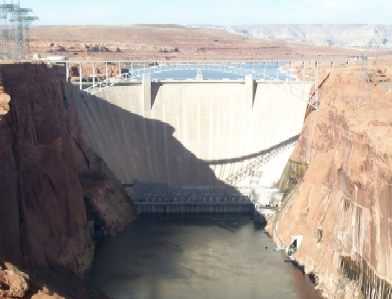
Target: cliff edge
(55, 193)
(342, 205)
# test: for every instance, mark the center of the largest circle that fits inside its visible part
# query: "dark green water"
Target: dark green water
(196, 257)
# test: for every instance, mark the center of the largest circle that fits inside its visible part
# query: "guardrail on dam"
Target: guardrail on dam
(92, 74)
(196, 133)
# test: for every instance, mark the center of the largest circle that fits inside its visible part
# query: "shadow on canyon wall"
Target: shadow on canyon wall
(44, 229)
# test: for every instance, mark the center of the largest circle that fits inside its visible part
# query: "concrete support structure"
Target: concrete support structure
(94, 75)
(249, 89)
(81, 76)
(146, 94)
(106, 72)
(67, 71)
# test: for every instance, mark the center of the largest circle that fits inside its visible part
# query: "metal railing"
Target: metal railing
(253, 167)
(94, 76)
(268, 70)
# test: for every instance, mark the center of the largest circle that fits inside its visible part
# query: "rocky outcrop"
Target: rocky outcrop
(54, 190)
(42, 283)
(342, 207)
(13, 282)
(291, 176)
(105, 199)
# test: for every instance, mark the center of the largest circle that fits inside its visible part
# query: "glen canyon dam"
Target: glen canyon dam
(194, 161)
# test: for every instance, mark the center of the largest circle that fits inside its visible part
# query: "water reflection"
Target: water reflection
(195, 256)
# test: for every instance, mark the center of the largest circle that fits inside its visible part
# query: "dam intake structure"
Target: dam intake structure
(209, 140)
(159, 197)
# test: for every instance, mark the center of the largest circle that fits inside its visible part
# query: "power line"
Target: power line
(15, 22)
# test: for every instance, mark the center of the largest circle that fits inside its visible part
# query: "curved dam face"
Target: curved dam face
(196, 133)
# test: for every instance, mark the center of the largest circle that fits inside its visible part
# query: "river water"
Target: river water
(196, 257)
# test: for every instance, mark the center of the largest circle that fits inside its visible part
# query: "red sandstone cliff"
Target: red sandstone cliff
(343, 204)
(53, 189)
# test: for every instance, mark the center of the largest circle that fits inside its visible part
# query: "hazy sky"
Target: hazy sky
(220, 12)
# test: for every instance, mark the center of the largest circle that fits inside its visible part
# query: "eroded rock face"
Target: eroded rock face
(343, 206)
(44, 162)
(104, 197)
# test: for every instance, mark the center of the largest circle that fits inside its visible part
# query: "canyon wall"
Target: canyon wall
(342, 205)
(54, 191)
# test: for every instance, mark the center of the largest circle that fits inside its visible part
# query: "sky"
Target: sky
(215, 12)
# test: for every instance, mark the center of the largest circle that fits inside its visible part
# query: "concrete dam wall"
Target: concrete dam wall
(195, 133)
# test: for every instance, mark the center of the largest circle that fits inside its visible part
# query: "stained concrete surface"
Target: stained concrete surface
(192, 126)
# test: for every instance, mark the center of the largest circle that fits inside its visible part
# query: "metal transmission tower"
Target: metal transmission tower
(15, 22)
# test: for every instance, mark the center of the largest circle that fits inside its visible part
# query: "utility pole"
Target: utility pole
(15, 23)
